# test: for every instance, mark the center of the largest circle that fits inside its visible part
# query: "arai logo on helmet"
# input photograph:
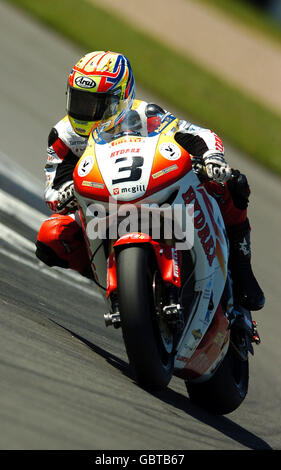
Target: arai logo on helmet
(85, 82)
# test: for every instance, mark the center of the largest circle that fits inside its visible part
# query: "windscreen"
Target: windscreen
(134, 125)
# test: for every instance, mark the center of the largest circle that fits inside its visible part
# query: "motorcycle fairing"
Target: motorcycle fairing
(208, 351)
(131, 168)
(167, 170)
(210, 271)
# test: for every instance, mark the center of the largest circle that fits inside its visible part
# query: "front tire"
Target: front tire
(150, 355)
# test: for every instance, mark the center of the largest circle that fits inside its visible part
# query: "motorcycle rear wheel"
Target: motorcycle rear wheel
(149, 346)
(227, 388)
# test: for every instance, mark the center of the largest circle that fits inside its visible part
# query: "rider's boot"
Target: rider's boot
(246, 289)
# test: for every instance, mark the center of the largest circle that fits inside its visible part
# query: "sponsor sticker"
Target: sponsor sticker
(201, 225)
(170, 151)
(92, 184)
(85, 166)
(124, 151)
(125, 140)
(219, 339)
(182, 358)
(197, 334)
(200, 362)
(139, 188)
(165, 171)
(176, 270)
(85, 82)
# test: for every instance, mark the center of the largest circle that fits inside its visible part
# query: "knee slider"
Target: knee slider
(48, 256)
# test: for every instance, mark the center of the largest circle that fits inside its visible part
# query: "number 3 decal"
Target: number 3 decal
(134, 171)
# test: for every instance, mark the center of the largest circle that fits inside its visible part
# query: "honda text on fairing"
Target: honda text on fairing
(159, 253)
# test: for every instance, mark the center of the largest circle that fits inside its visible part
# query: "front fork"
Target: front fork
(169, 268)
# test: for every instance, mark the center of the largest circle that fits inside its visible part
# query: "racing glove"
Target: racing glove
(66, 198)
(216, 168)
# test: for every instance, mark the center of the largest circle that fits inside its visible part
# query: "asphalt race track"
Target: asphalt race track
(65, 382)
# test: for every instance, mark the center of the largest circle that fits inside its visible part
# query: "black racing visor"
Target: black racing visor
(89, 106)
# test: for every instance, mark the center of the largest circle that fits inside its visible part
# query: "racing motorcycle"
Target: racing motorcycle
(159, 254)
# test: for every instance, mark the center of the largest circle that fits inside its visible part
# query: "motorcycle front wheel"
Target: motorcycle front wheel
(149, 343)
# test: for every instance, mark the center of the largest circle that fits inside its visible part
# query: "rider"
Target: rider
(101, 90)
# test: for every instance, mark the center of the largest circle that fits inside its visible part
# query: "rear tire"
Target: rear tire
(226, 390)
(150, 355)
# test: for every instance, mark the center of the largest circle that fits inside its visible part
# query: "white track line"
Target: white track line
(27, 247)
(21, 176)
(21, 211)
(53, 274)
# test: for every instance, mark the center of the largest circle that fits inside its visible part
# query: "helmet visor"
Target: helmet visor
(89, 106)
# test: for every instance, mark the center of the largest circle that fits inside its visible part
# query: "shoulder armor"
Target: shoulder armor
(68, 136)
(153, 109)
(52, 136)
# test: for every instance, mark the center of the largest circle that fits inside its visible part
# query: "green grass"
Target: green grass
(249, 15)
(206, 99)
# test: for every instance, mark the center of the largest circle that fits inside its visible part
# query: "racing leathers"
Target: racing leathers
(60, 240)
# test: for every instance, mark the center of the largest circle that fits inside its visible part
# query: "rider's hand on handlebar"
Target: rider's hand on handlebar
(66, 197)
(216, 168)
